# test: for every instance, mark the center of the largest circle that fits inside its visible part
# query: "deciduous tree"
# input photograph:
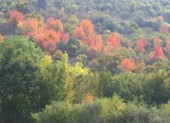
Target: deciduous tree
(158, 50)
(141, 45)
(127, 65)
(114, 40)
(16, 17)
(1, 38)
(19, 84)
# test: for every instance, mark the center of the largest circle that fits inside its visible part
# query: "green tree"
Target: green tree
(105, 82)
(129, 86)
(57, 112)
(111, 109)
(106, 110)
(19, 85)
(156, 90)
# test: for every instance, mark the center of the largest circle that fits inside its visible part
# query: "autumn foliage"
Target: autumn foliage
(98, 43)
(164, 29)
(89, 98)
(158, 50)
(114, 41)
(160, 19)
(141, 45)
(88, 27)
(16, 16)
(1, 38)
(55, 24)
(167, 45)
(127, 65)
(31, 26)
(86, 34)
(65, 37)
(47, 34)
(79, 33)
(84, 31)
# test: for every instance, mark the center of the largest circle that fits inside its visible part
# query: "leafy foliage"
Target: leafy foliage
(84, 61)
(19, 82)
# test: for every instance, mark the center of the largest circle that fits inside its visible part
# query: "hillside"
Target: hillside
(80, 61)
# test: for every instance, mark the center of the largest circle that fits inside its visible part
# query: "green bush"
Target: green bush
(100, 111)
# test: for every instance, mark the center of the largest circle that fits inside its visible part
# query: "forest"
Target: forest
(84, 61)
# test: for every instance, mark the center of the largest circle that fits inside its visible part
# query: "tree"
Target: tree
(158, 51)
(50, 40)
(138, 113)
(86, 34)
(96, 43)
(19, 85)
(16, 17)
(46, 35)
(105, 110)
(105, 84)
(65, 37)
(79, 33)
(31, 26)
(72, 22)
(87, 26)
(56, 79)
(156, 90)
(52, 23)
(65, 112)
(42, 3)
(129, 86)
(114, 40)
(164, 29)
(84, 31)
(1, 38)
(89, 97)
(127, 65)
(48, 87)
(63, 80)
(111, 108)
(141, 45)
(167, 45)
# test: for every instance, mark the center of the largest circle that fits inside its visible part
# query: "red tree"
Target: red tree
(49, 40)
(114, 40)
(31, 26)
(52, 35)
(127, 65)
(52, 23)
(35, 28)
(98, 43)
(1, 38)
(65, 37)
(48, 34)
(141, 45)
(16, 17)
(158, 51)
(164, 29)
(49, 46)
(86, 34)
(79, 33)
(85, 31)
(88, 27)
